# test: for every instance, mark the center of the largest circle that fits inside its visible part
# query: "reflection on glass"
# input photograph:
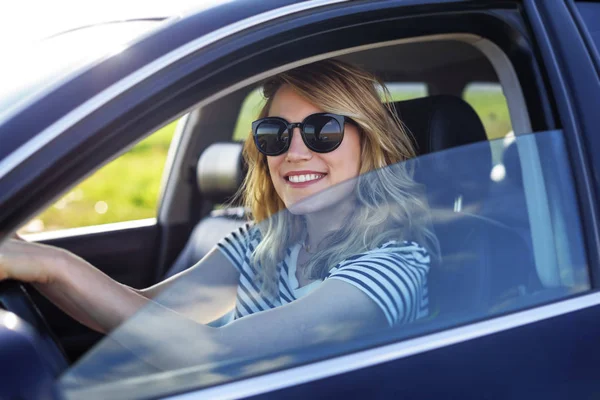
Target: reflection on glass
(419, 262)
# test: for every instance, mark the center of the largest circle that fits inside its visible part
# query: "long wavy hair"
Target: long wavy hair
(389, 205)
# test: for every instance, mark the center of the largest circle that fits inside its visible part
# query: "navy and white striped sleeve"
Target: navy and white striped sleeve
(394, 276)
(236, 245)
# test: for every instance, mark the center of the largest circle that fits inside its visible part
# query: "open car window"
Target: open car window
(471, 254)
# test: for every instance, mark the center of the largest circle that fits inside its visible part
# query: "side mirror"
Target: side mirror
(24, 371)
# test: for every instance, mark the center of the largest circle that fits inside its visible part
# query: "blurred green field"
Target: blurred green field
(123, 190)
(127, 188)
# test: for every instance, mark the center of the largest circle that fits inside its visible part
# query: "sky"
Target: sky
(26, 21)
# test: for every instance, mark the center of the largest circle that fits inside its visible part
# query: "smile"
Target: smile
(304, 178)
(299, 179)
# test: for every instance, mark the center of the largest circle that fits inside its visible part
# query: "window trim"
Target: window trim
(89, 230)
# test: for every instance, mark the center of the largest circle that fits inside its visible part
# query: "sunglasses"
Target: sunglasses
(321, 133)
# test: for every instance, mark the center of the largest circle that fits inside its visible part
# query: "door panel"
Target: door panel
(128, 254)
(551, 359)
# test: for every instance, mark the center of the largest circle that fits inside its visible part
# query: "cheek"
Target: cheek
(274, 163)
(346, 162)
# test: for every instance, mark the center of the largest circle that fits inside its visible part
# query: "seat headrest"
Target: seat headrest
(442, 122)
(220, 171)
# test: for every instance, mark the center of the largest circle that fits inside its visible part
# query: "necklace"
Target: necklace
(306, 247)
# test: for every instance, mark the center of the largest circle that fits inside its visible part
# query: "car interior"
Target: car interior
(205, 169)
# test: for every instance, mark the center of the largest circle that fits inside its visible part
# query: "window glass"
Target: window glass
(471, 254)
(126, 189)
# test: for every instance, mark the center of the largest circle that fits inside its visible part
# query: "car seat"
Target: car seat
(484, 263)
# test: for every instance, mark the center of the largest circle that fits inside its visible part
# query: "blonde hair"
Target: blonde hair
(389, 205)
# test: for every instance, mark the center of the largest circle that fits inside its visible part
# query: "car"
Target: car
(502, 101)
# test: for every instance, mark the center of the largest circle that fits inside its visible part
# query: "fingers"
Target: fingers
(16, 236)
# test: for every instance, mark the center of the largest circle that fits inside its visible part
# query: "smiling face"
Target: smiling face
(300, 172)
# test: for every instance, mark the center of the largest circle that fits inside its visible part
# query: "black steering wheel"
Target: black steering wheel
(15, 297)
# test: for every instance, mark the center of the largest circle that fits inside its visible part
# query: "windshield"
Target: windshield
(34, 69)
(415, 247)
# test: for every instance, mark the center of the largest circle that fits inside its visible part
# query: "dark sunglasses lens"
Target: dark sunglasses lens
(272, 137)
(322, 133)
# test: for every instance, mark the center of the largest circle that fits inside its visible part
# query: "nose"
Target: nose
(298, 150)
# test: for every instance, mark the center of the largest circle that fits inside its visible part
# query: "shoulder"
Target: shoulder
(393, 275)
(238, 244)
(389, 252)
(245, 234)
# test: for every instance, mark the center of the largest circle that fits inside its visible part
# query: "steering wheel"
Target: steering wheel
(15, 297)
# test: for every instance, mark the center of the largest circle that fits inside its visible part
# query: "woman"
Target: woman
(318, 268)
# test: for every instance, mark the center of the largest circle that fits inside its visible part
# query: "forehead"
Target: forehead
(290, 105)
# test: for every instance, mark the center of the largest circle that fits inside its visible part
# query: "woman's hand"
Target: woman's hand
(30, 262)
(70, 282)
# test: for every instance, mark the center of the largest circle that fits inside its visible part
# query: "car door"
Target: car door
(524, 346)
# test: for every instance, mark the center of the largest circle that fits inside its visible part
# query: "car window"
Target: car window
(125, 189)
(463, 263)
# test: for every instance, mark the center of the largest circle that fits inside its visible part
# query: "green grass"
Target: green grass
(491, 107)
(127, 188)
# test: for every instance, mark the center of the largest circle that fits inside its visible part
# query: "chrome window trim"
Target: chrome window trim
(367, 358)
(89, 230)
(55, 130)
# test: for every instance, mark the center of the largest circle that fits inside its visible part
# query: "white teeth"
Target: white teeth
(304, 178)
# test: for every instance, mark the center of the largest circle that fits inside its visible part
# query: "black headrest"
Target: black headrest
(440, 123)
(220, 171)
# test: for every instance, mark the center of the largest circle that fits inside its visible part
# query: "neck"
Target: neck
(321, 223)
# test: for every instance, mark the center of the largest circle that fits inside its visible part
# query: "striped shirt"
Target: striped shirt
(393, 275)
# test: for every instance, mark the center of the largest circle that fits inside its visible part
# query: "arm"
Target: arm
(96, 300)
(380, 288)
(335, 311)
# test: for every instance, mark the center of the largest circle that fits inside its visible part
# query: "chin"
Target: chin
(304, 208)
(313, 204)
(328, 199)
